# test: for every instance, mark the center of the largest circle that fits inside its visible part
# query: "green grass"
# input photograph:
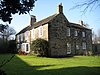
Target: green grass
(31, 65)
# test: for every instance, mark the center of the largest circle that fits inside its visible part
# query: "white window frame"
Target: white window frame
(76, 33)
(33, 34)
(18, 38)
(24, 47)
(68, 48)
(77, 46)
(40, 31)
(26, 35)
(68, 31)
(22, 37)
(83, 45)
(83, 34)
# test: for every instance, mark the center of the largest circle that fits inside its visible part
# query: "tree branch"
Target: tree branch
(86, 5)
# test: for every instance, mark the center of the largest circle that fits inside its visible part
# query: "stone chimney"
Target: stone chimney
(32, 19)
(81, 22)
(59, 8)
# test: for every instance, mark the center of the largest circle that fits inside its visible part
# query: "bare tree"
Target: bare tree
(6, 32)
(98, 35)
(2, 30)
(94, 38)
(87, 5)
(9, 32)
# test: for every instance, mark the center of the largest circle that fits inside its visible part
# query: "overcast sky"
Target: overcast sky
(45, 8)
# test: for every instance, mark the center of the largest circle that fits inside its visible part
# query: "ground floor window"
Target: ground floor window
(84, 45)
(25, 47)
(77, 46)
(68, 48)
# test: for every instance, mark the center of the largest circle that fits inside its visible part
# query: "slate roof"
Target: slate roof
(36, 24)
(78, 26)
(46, 20)
(43, 21)
(24, 30)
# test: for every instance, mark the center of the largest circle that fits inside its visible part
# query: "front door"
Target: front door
(27, 48)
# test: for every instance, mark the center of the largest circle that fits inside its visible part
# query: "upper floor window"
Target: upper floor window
(18, 38)
(77, 46)
(26, 35)
(40, 31)
(68, 31)
(22, 37)
(83, 34)
(84, 45)
(76, 33)
(32, 33)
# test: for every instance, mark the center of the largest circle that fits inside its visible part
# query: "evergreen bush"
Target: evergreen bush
(39, 47)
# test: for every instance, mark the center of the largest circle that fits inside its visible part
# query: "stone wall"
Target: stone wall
(77, 40)
(57, 36)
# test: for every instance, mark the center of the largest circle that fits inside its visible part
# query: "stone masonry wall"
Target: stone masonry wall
(57, 36)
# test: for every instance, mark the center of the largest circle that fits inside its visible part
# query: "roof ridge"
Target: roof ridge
(36, 24)
(45, 20)
(78, 25)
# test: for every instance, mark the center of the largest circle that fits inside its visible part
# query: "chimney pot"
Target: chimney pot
(81, 22)
(60, 8)
(32, 19)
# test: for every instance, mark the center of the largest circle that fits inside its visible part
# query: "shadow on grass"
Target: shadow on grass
(19, 67)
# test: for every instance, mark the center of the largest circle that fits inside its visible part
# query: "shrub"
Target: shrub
(3, 46)
(12, 47)
(39, 47)
(8, 46)
(2, 72)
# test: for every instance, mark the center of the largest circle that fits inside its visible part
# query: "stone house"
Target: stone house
(63, 36)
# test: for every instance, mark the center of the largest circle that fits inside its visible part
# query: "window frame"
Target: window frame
(41, 31)
(77, 46)
(68, 31)
(68, 48)
(26, 35)
(22, 37)
(18, 36)
(83, 34)
(84, 45)
(76, 33)
(32, 33)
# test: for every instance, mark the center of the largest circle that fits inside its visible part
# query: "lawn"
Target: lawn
(31, 65)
